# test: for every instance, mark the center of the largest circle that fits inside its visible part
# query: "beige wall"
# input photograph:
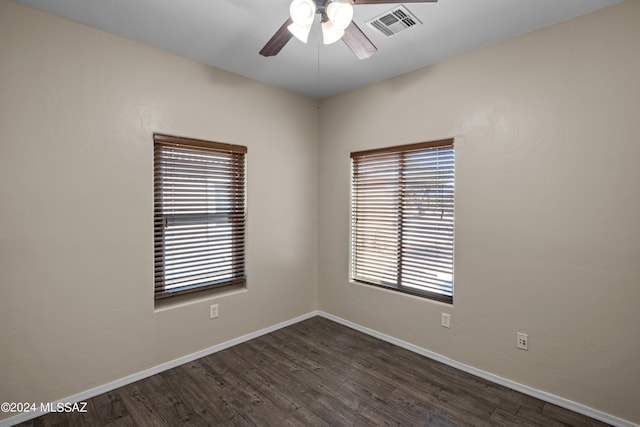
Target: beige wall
(77, 111)
(547, 206)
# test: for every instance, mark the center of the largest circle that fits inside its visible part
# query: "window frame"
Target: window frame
(358, 244)
(229, 186)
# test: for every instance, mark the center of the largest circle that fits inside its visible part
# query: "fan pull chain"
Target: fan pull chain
(318, 76)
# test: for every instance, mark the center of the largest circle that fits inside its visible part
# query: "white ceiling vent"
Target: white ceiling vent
(394, 21)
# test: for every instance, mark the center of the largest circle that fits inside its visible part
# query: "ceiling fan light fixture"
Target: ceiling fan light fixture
(331, 33)
(301, 32)
(340, 14)
(302, 12)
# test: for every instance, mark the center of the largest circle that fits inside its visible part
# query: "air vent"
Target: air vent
(394, 21)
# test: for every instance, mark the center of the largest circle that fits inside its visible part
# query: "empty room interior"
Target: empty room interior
(542, 130)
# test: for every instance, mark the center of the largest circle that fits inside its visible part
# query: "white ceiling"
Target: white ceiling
(229, 33)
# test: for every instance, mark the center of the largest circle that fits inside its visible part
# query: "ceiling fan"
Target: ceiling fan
(336, 18)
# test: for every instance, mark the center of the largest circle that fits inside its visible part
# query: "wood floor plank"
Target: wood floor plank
(245, 378)
(250, 404)
(421, 386)
(170, 402)
(274, 387)
(227, 401)
(502, 417)
(536, 418)
(139, 407)
(82, 419)
(54, 419)
(303, 381)
(427, 406)
(460, 390)
(502, 397)
(568, 417)
(120, 422)
(303, 417)
(315, 373)
(339, 410)
(109, 407)
(192, 393)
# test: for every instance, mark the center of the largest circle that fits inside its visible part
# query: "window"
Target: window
(402, 218)
(199, 215)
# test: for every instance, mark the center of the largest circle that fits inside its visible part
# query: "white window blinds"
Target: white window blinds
(199, 215)
(402, 218)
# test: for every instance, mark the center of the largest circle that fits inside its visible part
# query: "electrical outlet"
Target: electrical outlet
(213, 311)
(523, 341)
(446, 320)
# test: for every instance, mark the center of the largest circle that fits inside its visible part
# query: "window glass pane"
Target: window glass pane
(402, 219)
(375, 213)
(199, 217)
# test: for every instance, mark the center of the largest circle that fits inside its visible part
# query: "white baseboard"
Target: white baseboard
(88, 394)
(542, 395)
(547, 397)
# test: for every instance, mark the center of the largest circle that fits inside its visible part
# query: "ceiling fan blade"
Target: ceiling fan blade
(277, 42)
(392, 1)
(358, 42)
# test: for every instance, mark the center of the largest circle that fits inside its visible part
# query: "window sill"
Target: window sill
(178, 301)
(442, 299)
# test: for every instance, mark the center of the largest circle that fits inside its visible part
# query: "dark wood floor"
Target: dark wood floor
(315, 373)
